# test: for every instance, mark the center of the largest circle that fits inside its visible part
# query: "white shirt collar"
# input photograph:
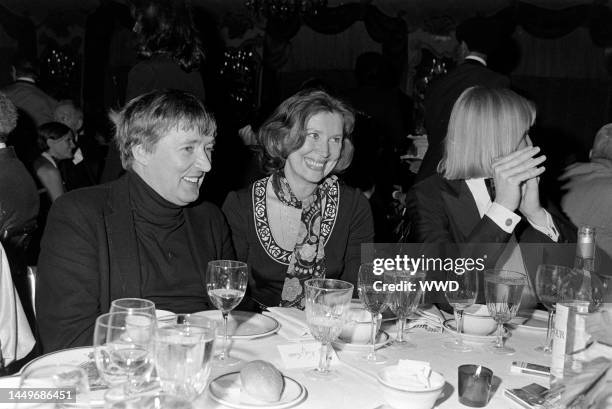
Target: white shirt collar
(476, 58)
(26, 79)
(481, 194)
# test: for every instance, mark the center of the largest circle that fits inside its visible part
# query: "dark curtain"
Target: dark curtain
(21, 29)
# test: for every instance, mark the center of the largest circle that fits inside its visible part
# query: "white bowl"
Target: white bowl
(477, 321)
(358, 326)
(403, 397)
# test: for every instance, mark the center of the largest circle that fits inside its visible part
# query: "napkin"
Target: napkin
(430, 318)
(409, 374)
(293, 323)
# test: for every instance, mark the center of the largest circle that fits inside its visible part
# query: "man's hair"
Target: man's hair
(53, 131)
(8, 117)
(481, 34)
(166, 27)
(147, 118)
(284, 131)
(68, 113)
(602, 144)
(485, 124)
(25, 66)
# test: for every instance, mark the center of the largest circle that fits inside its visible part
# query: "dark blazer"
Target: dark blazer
(89, 257)
(439, 104)
(445, 212)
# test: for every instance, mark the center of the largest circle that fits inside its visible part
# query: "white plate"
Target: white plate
(81, 356)
(226, 389)
(449, 325)
(243, 324)
(536, 322)
(381, 340)
(163, 313)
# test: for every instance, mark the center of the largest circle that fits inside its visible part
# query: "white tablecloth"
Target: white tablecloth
(355, 390)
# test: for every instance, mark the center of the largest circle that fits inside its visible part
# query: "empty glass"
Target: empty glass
(183, 352)
(327, 308)
(226, 282)
(503, 292)
(549, 279)
(133, 306)
(375, 297)
(460, 296)
(404, 300)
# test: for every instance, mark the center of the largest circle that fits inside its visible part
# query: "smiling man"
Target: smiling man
(143, 235)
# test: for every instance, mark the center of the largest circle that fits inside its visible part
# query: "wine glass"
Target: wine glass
(549, 279)
(405, 300)
(460, 296)
(133, 305)
(123, 343)
(375, 297)
(226, 282)
(183, 353)
(503, 292)
(68, 383)
(327, 308)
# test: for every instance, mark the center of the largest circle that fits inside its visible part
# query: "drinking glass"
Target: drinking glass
(133, 305)
(71, 379)
(183, 352)
(404, 300)
(460, 296)
(122, 349)
(375, 297)
(503, 292)
(549, 279)
(226, 282)
(327, 308)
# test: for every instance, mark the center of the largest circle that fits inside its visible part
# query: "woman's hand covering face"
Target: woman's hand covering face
(511, 174)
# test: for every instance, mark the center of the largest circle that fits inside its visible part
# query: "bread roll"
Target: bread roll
(262, 381)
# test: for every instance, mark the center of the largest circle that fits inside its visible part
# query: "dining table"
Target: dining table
(357, 386)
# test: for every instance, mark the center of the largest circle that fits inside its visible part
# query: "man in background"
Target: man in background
(478, 37)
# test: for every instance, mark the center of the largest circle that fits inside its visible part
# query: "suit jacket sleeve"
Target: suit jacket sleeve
(67, 290)
(236, 216)
(361, 230)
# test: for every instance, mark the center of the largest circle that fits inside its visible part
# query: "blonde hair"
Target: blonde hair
(485, 124)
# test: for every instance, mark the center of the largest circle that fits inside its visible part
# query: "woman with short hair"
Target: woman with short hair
(56, 142)
(300, 221)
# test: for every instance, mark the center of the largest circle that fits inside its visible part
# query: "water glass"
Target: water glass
(226, 282)
(70, 378)
(405, 299)
(460, 297)
(122, 348)
(327, 308)
(549, 280)
(503, 293)
(183, 352)
(133, 306)
(375, 297)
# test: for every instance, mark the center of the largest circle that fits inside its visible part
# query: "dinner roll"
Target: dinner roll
(261, 380)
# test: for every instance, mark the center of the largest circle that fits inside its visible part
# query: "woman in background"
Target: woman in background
(300, 221)
(56, 142)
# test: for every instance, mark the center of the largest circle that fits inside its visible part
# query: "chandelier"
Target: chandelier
(285, 8)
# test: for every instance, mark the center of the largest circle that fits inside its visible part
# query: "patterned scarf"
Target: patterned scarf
(308, 258)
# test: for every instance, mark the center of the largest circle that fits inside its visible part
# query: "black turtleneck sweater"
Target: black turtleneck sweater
(168, 271)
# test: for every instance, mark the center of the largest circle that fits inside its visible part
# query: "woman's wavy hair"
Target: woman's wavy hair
(285, 130)
(53, 131)
(166, 27)
(485, 124)
(146, 119)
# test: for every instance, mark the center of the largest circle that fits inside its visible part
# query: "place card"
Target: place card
(304, 355)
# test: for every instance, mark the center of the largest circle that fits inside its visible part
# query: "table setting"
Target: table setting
(380, 351)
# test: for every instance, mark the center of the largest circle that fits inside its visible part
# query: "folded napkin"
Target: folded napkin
(429, 317)
(293, 323)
